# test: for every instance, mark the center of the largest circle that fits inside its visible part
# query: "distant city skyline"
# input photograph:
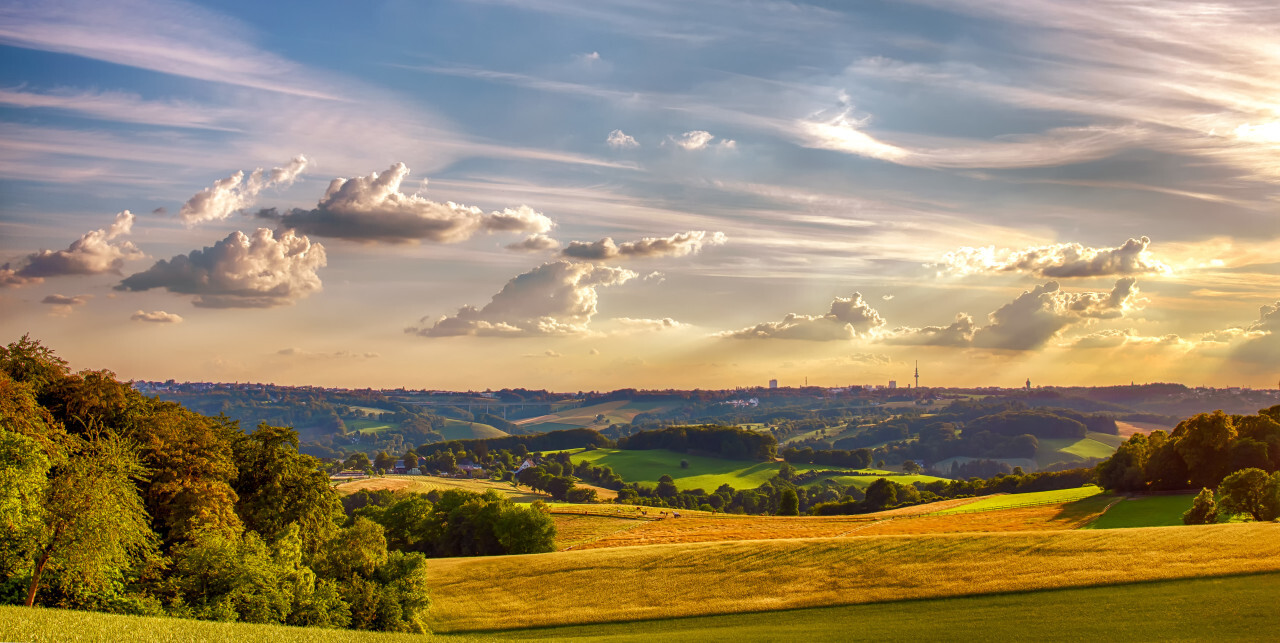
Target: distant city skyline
(488, 194)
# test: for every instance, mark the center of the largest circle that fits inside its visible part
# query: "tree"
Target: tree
(525, 531)
(1242, 493)
(95, 525)
(278, 486)
(667, 487)
(1203, 443)
(911, 467)
(1270, 503)
(684, 464)
(789, 503)
(1203, 511)
(358, 461)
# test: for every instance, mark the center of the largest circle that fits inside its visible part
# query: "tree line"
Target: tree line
(114, 501)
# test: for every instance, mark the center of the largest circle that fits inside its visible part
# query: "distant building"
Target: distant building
(773, 383)
(893, 383)
(1028, 383)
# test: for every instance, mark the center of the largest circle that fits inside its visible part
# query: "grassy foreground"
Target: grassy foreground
(1205, 609)
(1147, 511)
(1218, 609)
(666, 581)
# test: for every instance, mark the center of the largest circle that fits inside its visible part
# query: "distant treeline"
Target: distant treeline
(728, 442)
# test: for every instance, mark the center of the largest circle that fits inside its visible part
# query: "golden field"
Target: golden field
(664, 581)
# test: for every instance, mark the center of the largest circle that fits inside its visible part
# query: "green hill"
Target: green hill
(461, 430)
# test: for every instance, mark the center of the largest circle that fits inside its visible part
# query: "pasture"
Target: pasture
(615, 412)
(1015, 500)
(1230, 608)
(646, 466)
(670, 581)
(1145, 511)
(462, 430)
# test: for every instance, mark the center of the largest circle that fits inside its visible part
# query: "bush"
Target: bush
(1203, 511)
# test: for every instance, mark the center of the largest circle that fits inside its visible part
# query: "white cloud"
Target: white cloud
(63, 305)
(534, 243)
(1031, 320)
(235, 193)
(156, 317)
(96, 252)
(240, 271)
(1058, 261)
(556, 298)
(700, 140)
(848, 318)
(676, 245)
(373, 209)
(632, 325)
(619, 139)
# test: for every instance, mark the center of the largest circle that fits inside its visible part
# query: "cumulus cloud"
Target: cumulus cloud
(240, 271)
(1263, 345)
(878, 359)
(556, 298)
(96, 252)
(1030, 321)
(63, 305)
(1116, 338)
(156, 317)
(373, 209)
(236, 192)
(676, 245)
(620, 140)
(848, 318)
(534, 243)
(632, 325)
(701, 140)
(1058, 261)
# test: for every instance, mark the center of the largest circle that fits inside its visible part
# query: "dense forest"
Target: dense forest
(114, 501)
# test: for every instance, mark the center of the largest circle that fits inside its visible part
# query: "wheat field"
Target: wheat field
(665, 581)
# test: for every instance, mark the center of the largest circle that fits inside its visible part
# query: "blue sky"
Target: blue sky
(595, 195)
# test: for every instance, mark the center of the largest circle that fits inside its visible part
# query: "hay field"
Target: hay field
(667, 581)
(1129, 428)
(920, 519)
(460, 430)
(615, 412)
(423, 484)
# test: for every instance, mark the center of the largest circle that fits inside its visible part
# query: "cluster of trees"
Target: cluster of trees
(728, 442)
(110, 500)
(855, 459)
(455, 522)
(887, 494)
(1199, 453)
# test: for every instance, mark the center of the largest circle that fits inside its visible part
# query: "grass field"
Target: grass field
(1145, 511)
(1227, 608)
(615, 412)
(668, 581)
(1129, 428)
(862, 482)
(708, 474)
(460, 430)
(1231, 608)
(1013, 500)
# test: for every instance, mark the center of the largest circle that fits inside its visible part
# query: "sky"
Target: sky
(574, 196)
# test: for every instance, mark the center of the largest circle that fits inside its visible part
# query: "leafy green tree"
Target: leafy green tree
(912, 467)
(1242, 493)
(24, 469)
(95, 525)
(1203, 511)
(525, 531)
(408, 524)
(1125, 469)
(789, 503)
(667, 487)
(882, 494)
(358, 461)
(278, 486)
(1270, 503)
(30, 362)
(1203, 443)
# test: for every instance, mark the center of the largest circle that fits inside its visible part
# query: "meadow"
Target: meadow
(461, 430)
(646, 466)
(1145, 511)
(1227, 608)
(615, 412)
(424, 484)
(669, 581)
(1230, 608)
(1015, 500)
